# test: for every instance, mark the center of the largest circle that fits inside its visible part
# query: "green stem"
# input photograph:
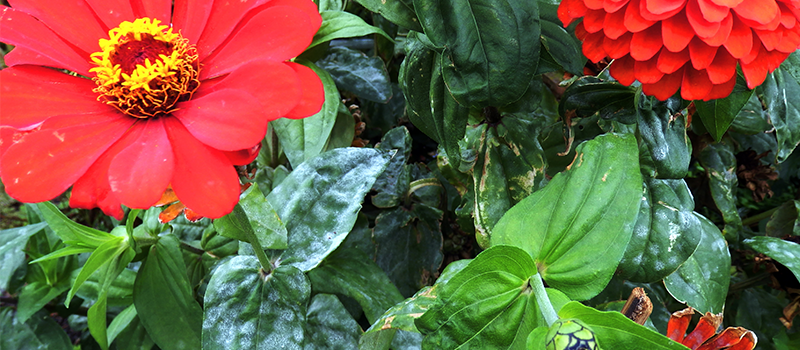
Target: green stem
(755, 219)
(262, 257)
(542, 300)
(190, 248)
(145, 241)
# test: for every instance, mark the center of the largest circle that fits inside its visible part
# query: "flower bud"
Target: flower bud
(570, 334)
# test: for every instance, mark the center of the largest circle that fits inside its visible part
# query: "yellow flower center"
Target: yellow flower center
(144, 69)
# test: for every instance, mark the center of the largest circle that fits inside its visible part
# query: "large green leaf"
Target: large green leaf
(36, 295)
(319, 201)
(720, 163)
(487, 305)
(351, 273)
(253, 218)
(615, 331)
(40, 332)
(164, 298)
(666, 139)
(305, 138)
(592, 204)
(340, 24)
(355, 72)
(562, 46)
(400, 12)
(702, 281)
(780, 89)
(12, 243)
(71, 232)
(247, 308)
(717, 115)
(329, 326)
(666, 233)
(489, 49)
(784, 252)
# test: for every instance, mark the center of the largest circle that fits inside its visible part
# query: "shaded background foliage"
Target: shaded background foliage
(452, 152)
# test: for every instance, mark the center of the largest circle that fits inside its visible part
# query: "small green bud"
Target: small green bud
(570, 334)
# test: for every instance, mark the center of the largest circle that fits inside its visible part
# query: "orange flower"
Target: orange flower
(694, 45)
(162, 94)
(731, 338)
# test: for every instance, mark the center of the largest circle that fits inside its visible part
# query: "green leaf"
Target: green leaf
(351, 273)
(487, 305)
(355, 72)
(132, 337)
(717, 115)
(752, 119)
(120, 322)
(36, 295)
(667, 232)
(702, 281)
(14, 239)
(340, 24)
(400, 12)
(489, 49)
(392, 186)
(96, 315)
(590, 96)
(783, 222)
(615, 331)
(305, 138)
(164, 299)
(780, 88)
(784, 252)
(319, 201)
(415, 76)
(719, 161)
(253, 218)
(70, 231)
(39, 332)
(248, 309)
(561, 45)
(593, 204)
(329, 326)
(666, 139)
(105, 254)
(409, 245)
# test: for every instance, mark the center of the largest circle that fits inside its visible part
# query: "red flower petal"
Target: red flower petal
(31, 94)
(740, 41)
(679, 323)
(142, 170)
(788, 18)
(157, 9)
(204, 178)
(569, 10)
(723, 68)
(22, 55)
(244, 156)
(705, 329)
(614, 5)
(593, 47)
(770, 38)
(754, 52)
(634, 20)
(646, 72)
(695, 84)
(701, 26)
(614, 24)
(21, 29)
(282, 32)
(722, 34)
(221, 22)
(44, 163)
(790, 42)
(276, 85)
(594, 4)
(622, 70)
(594, 20)
(226, 119)
(721, 90)
(728, 3)
(713, 12)
(7, 135)
(669, 62)
(701, 54)
(759, 11)
(728, 338)
(676, 32)
(618, 48)
(658, 7)
(190, 17)
(645, 44)
(113, 12)
(666, 87)
(313, 95)
(75, 23)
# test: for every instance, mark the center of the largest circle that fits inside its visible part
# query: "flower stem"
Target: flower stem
(542, 300)
(262, 257)
(190, 248)
(755, 219)
(145, 240)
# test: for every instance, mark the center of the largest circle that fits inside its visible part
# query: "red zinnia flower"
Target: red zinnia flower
(178, 95)
(693, 45)
(731, 338)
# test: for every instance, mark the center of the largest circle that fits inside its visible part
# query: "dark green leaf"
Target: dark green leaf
(105, 254)
(720, 163)
(248, 309)
(319, 201)
(12, 257)
(784, 252)
(615, 331)
(305, 138)
(562, 46)
(593, 204)
(416, 73)
(400, 12)
(351, 273)
(490, 49)
(702, 281)
(35, 295)
(590, 96)
(665, 136)
(752, 119)
(355, 72)
(717, 115)
(164, 298)
(780, 89)
(340, 24)
(120, 322)
(666, 232)
(133, 336)
(783, 222)
(40, 332)
(392, 185)
(329, 326)
(344, 130)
